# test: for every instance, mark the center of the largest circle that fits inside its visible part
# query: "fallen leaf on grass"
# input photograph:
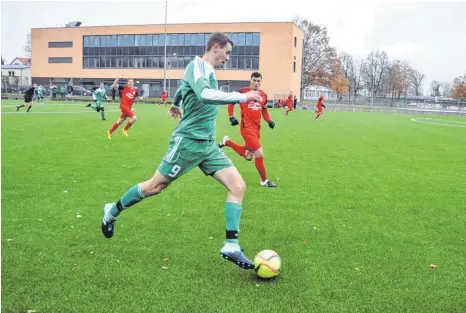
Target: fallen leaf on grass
(211, 238)
(9, 239)
(433, 266)
(78, 215)
(164, 268)
(356, 268)
(166, 259)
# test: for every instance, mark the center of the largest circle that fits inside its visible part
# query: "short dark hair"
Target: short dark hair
(219, 38)
(256, 75)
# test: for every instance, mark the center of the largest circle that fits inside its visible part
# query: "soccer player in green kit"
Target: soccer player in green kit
(40, 95)
(193, 144)
(99, 95)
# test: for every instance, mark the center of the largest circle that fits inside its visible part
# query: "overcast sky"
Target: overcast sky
(431, 36)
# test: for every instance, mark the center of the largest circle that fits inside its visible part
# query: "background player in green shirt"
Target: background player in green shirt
(193, 144)
(40, 95)
(99, 95)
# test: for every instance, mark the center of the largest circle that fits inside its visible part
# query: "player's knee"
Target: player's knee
(238, 188)
(259, 153)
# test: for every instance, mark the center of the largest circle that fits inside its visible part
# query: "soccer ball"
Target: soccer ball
(267, 264)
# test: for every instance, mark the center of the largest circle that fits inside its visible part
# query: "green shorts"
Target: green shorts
(99, 103)
(184, 154)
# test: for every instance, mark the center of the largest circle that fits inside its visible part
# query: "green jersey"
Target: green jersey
(39, 91)
(200, 96)
(99, 94)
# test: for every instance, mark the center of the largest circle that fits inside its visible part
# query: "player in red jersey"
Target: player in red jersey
(289, 103)
(319, 107)
(164, 96)
(251, 114)
(128, 95)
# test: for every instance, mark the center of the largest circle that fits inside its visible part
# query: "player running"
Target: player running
(164, 96)
(99, 95)
(193, 144)
(289, 103)
(40, 95)
(319, 107)
(128, 94)
(251, 114)
(28, 95)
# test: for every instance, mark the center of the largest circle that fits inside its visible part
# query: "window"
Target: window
(242, 39)
(294, 66)
(234, 38)
(256, 39)
(61, 44)
(241, 63)
(137, 40)
(96, 41)
(155, 40)
(295, 40)
(61, 60)
(255, 63)
(249, 39)
(148, 40)
(86, 62)
(200, 40)
(11, 74)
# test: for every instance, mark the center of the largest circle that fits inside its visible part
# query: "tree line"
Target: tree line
(381, 77)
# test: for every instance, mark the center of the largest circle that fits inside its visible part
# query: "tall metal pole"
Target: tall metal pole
(165, 53)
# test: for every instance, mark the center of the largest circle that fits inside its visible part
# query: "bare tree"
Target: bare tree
(318, 57)
(3, 60)
(27, 47)
(446, 89)
(375, 67)
(416, 79)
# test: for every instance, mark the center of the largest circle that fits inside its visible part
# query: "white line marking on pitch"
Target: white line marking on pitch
(440, 124)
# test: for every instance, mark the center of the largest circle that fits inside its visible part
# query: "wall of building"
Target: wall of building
(275, 62)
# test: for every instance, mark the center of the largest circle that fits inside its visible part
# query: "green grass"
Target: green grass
(386, 195)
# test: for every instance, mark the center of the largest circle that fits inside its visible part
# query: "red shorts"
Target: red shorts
(164, 99)
(290, 107)
(126, 112)
(251, 138)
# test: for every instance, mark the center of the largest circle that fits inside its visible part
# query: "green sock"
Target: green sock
(131, 197)
(233, 215)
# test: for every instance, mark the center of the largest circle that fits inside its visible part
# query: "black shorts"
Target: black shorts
(27, 99)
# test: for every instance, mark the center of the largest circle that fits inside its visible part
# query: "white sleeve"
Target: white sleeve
(217, 96)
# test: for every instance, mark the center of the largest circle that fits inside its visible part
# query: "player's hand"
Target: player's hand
(323, 106)
(272, 124)
(253, 95)
(174, 112)
(233, 121)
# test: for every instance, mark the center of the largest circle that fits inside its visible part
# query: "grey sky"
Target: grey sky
(431, 36)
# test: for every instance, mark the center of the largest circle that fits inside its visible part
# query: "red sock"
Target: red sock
(115, 126)
(318, 115)
(261, 168)
(128, 125)
(241, 150)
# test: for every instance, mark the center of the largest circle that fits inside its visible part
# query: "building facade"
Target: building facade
(88, 56)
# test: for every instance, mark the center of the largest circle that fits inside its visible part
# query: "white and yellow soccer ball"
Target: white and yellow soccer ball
(267, 264)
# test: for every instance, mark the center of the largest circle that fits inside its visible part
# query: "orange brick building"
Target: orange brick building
(90, 55)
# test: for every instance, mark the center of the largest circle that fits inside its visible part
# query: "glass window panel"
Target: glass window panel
(148, 40)
(181, 40)
(114, 41)
(235, 50)
(155, 62)
(155, 40)
(97, 41)
(233, 62)
(169, 39)
(142, 63)
(186, 61)
(186, 51)
(199, 51)
(255, 50)
(130, 40)
(249, 39)
(200, 40)
(248, 50)
(193, 39)
(241, 39)
(161, 39)
(234, 38)
(120, 51)
(85, 62)
(187, 39)
(256, 39)
(86, 51)
(113, 62)
(241, 63)
(192, 50)
(148, 62)
(132, 62)
(86, 41)
(137, 40)
(143, 41)
(248, 62)
(241, 50)
(125, 50)
(255, 63)
(97, 62)
(144, 50)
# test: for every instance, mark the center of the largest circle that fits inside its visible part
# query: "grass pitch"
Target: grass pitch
(365, 203)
